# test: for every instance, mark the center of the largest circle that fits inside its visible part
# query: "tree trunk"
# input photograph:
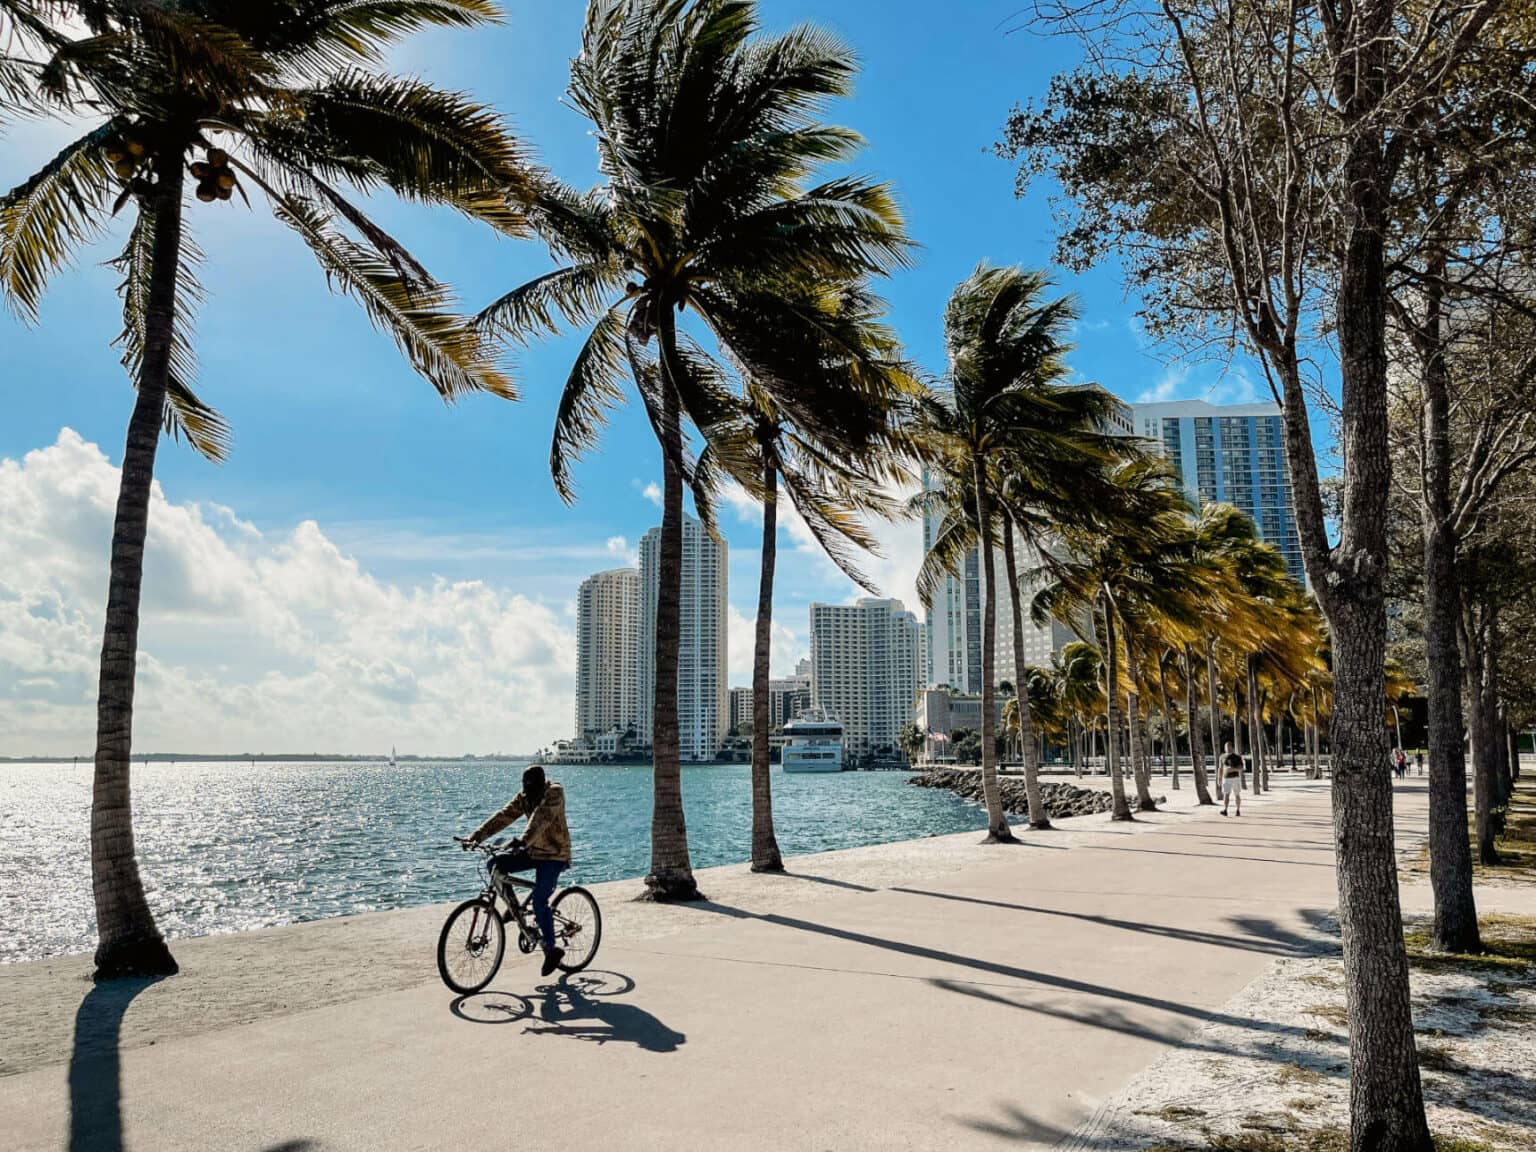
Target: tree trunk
(997, 820)
(1475, 664)
(1254, 748)
(1450, 854)
(1170, 736)
(1214, 686)
(671, 874)
(1122, 809)
(1038, 816)
(1192, 716)
(128, 942)
(1141, 771)
(1386, 1097)
(765, 846)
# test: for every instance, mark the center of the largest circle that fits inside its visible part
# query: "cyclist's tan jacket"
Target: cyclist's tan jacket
(547, 837)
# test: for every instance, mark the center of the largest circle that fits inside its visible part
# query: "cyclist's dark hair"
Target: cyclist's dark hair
(533, 782)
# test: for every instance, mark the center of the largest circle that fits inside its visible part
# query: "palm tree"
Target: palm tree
(911, 742)
(278, 97)
(834, 464)
(1135, 569)
(707, 134)
(1006, 345)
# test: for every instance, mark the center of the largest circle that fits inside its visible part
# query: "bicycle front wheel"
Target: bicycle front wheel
(578, 927)
(470, 948)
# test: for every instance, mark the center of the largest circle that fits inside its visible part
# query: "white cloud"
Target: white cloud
(617, 545)
(785, 646)
(1232, 385)
(256, 642)
(652, 492)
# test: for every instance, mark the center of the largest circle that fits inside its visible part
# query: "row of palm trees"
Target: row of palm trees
(714, 273)
(1096, 533)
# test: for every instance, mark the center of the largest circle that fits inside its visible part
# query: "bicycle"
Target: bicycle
(474, 937)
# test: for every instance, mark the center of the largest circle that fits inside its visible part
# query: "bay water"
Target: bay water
(226, 847)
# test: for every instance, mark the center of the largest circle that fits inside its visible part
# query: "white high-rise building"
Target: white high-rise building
(608, 653)
(867, 664)
(703, 697)
(1232, 454)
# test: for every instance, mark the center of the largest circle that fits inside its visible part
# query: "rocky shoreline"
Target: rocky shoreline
(1061, 800)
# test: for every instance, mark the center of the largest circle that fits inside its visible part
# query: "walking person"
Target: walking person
(545, 847)
(1418, 761)
(1400, 763)
(1231, 779)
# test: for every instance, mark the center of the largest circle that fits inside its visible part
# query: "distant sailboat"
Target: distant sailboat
(392, 761)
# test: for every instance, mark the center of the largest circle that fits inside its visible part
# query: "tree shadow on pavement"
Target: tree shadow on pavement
(95, 1067)
(996, 968)
(849, 884)
(1019, 1125)
(1256, 934)
(585, 1006)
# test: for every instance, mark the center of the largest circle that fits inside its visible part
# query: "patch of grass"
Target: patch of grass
(1461, 1144)
(1509, 944)
(1297, 1074)
(1321, 980)
(1335, 1014)
(1174, 1113)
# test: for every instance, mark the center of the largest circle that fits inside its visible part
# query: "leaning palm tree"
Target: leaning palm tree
(707, 135)
(836, 458)
(263, 94)
(1006, 343)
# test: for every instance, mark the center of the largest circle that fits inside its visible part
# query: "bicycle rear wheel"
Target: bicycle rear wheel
(471, 945)
(578, 927)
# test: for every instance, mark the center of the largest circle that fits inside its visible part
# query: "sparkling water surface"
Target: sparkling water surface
(226, 847)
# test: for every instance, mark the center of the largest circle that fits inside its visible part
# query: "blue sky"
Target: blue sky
(331, 426)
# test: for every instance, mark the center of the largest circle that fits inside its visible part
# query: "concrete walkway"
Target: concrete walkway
(992, 1007)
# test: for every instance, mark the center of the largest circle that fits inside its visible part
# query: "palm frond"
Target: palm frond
(422, 142)
(443, 347)
(576, 294)
(592, 389)
(186, 416)
(44, 220)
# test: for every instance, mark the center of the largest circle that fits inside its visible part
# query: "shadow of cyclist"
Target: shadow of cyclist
(567, 1009)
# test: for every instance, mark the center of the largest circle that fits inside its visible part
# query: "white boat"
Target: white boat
(813, 742)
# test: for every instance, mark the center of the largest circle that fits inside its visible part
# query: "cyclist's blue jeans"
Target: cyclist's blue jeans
(546, 873)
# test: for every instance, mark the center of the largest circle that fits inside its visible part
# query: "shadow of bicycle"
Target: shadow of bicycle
(584, 1006)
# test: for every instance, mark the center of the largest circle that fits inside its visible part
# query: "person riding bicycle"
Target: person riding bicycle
(545, 847)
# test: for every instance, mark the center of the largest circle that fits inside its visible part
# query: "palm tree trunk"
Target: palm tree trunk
(1141, 772)
(1214, 686)
(765, 846)
(1038, 816)
(1192, 715)
(1254, 748)
(128, 942)
(1170, 737)
(671, 874)
(1122, 809)
(997, 820)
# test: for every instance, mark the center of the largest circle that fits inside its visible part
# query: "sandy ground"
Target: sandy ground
(249, 976)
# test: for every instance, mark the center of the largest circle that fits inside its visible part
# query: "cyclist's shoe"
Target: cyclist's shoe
(552, 960)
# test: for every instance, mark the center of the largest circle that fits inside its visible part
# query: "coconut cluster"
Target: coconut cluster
(126, 152)
(215, 178)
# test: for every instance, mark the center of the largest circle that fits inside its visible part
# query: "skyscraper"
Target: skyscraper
(867, 663)
(703, 700)
(1233, 454)
(607, 653)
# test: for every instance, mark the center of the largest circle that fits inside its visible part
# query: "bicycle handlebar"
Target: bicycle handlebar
(481, 845)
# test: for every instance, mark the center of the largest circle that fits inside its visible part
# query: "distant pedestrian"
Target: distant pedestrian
(1418, 761)
(1231, 779)
(1400, 763)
